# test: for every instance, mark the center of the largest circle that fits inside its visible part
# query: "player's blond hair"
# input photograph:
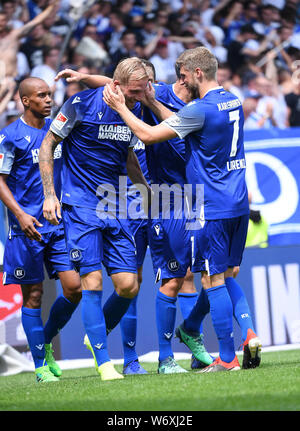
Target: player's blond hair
(130, 69)
(201, 58)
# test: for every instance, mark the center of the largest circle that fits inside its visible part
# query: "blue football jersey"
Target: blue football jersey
(166, 160)
(95, 149)
(213, 130)
(19, 159)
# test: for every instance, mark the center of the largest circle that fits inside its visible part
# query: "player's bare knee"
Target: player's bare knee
(171, 286)
(72, 289)
(188, 285)
(92, 281)
(126, 284)
(236, 271)
(73, 295)
(205, 280)
(217, 279)
(128, 290)
(32, 295)
(232, 272)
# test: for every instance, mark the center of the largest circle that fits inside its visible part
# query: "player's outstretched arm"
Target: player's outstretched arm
(25, 220)
(147, 134)
(51, 207)
(91, 81)
(26, 28)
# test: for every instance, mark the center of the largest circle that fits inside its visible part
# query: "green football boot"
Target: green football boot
(44, 375)
(195, 343)
(170, 366)
(53, 366)
(88, 345)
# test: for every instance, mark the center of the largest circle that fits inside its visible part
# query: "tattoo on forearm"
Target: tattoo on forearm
(46, 162)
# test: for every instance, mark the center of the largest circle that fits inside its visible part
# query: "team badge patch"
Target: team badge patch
(173, 265)
(19, 273)
(75, 255)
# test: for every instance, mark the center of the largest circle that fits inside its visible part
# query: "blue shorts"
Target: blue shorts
(219, 244)
(24, 259)
(170, 246)
(139, 231)
(92, 242)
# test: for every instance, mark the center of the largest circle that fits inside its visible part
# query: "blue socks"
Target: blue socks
(60, 313)
(186, 303)
(193, 322)
(240, 305)
(221, 314)
(34, 330)
(114, 309)
(94, 324)
(128, 326)
(165, 322)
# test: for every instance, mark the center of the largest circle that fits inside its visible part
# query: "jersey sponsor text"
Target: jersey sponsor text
(114, 132)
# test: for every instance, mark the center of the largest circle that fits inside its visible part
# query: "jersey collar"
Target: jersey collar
(219, 87)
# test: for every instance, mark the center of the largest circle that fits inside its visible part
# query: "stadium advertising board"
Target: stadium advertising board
(273, 178)
(270, 278)
(11, 329)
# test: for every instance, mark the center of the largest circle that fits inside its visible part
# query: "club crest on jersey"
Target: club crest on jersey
(28, 138)
(115, 132)
(75, 255)
(2, 137)
(173, 265)
(60, 121)
(19, 273)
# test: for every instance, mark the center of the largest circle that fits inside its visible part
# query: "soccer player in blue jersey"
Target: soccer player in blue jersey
(96, 153)
(32, 240)
(213, 130)
(168, 238)
(170, 253)
(128, 323)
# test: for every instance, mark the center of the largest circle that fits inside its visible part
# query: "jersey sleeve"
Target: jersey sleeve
(187, 120)
(7, 154)
(68, 117)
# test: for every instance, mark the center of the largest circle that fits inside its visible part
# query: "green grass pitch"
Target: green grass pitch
(274, 386)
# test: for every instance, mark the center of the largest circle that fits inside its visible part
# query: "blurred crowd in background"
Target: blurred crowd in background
(256, 42)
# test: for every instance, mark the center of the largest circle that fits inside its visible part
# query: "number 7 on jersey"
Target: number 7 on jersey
(234, 117)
